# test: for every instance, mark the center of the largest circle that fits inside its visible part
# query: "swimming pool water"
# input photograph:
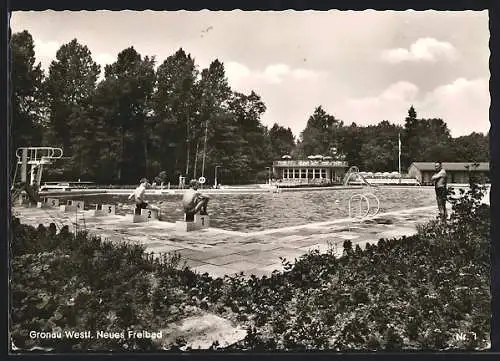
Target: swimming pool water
(255, 212)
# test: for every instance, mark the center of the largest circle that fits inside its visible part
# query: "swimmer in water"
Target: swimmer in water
(138, 195)
(193, 201)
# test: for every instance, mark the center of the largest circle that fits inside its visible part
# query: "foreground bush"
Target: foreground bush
(63, 282)
(429, 291)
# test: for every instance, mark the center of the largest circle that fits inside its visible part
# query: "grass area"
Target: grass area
(426, 292)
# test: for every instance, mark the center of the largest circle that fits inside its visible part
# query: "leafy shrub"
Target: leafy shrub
(412, 293)
(62, 281)
(417, 292)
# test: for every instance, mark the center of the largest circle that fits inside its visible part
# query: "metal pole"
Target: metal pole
(24, 165)
(399, 154)
(215, 181)
(196, 159)
(188, 156)
(32, 174)
(204, 149)
(39, 180)
(188, 143)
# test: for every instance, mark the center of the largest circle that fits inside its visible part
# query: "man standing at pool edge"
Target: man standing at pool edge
(439, 179)
(138, 195)
(193, 201)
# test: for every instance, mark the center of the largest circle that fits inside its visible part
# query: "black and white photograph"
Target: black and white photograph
(249, 181)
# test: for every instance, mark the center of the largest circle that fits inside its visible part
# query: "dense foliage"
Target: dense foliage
(64, 282)
(429, 291)
(129, 120)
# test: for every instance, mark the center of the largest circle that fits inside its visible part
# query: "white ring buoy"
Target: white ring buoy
(202, 180)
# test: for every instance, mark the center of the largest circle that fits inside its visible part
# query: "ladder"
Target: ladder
(370, 212)
(35, 158)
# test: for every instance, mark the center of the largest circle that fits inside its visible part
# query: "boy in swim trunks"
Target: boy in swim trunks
(138, 195)
(193, 201)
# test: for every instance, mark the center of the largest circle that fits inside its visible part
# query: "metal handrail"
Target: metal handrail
(378, 204)
(361, 197)
(40, 153)
(354, 170)
(349, 173)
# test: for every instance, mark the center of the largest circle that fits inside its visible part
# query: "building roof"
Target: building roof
(310, 163)
(429, 166)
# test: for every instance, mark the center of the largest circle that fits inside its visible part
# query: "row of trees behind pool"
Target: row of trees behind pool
(132, 119)
(430, 291)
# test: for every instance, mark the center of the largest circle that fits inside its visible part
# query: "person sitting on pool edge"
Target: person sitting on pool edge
(138, 194)
(193, 201)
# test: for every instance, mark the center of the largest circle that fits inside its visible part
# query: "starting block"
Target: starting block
(72, 206)
(202, 220)
(43, 205)
(147, 215)
(150, 214)
(48, 203)
(24, 200)
(103, 210)
(53, 202)
(198, 222)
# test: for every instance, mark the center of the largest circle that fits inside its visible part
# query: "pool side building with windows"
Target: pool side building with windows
(310, 171)
(457, 172)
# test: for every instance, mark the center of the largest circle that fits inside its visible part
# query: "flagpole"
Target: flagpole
(204, 149)
(399, 155)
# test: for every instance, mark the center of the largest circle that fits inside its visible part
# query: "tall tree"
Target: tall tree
(175, 108)
(246, 111)
(282, 141)
(436, 141)
(225, 149)
(27, 93)
(214, 94)
(321, 134)
(352, 139)
(471, 148)
(125, 102)
(70, 87)
(137, 122)
(425, 139)
(410, 143)
(379, 151)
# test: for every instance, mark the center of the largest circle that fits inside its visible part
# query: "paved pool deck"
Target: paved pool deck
(219, 252)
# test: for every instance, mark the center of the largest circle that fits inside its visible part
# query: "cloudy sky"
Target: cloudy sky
(362, 67)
